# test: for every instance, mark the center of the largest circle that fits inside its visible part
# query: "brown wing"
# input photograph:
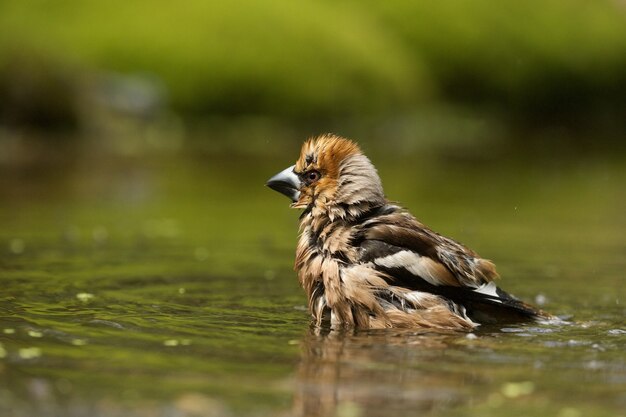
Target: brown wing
(395, 238)
(414, 257)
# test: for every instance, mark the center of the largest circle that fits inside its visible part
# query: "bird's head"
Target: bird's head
(331, 172)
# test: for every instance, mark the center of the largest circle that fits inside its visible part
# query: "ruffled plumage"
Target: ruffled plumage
(368, 263)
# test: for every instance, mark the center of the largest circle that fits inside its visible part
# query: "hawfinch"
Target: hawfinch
(365, 262)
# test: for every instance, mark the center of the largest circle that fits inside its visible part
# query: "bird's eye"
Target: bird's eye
(312, 176)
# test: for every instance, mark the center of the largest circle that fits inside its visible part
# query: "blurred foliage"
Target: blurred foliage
(313, 59)
(276, 56)
(530, 56)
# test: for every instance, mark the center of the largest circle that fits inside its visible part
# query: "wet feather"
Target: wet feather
(366, 262)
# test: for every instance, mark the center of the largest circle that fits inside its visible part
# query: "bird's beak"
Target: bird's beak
(287, 183)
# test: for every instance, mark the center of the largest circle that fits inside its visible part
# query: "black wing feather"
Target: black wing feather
(480, 307)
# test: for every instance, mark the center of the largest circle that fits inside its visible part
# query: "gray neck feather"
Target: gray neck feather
(359, 183)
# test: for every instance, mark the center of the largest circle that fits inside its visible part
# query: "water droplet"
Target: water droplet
(541, 299)
(511, 330)
(595, 365)
(573, 342)
(106, 323)
(35, 333)
(84, 296)
(8, 331)
(29, 353)
(171, 342)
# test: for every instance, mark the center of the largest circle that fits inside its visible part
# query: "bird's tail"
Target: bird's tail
(490, 304)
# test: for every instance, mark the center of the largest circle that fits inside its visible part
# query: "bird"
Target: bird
(366, 262)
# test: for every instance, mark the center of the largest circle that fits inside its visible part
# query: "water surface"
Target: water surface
(163, 286)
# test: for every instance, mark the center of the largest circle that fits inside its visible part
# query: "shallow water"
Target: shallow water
(162, 286)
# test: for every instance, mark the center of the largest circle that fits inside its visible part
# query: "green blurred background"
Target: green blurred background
(308, 67)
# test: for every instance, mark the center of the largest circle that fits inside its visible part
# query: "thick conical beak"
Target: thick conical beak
(286, 182)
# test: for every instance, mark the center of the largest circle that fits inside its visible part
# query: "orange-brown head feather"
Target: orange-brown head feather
(338, 161)
(323, 154)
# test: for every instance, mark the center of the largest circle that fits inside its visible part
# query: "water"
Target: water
(162, 286)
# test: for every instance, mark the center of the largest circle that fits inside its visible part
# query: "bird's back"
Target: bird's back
(384, 268)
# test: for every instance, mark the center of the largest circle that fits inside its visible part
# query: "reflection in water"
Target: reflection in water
(376, 372)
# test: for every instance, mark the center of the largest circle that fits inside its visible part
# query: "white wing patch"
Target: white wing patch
(412, 262)
(489, 289)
